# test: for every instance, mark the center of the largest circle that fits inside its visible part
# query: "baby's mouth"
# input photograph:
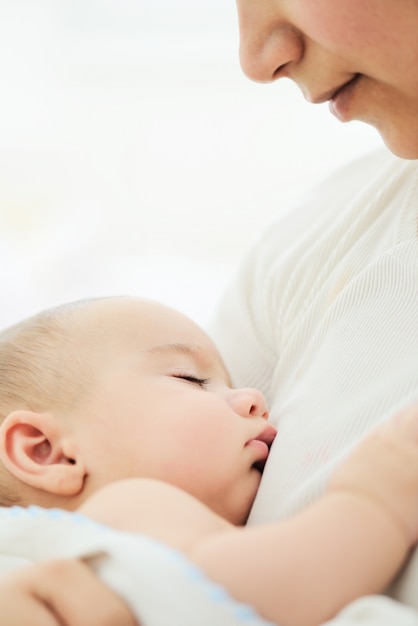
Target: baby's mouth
(264, 441)
(260, 465)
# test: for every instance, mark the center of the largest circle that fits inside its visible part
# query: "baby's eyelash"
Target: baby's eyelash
(202, 382)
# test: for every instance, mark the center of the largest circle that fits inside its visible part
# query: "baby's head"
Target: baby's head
(45, 366)
(113, 388)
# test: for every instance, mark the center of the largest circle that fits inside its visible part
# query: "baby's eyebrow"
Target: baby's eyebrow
(179, 348)
(195, 351)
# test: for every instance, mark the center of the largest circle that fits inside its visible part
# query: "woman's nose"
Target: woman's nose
(268, 44)
(248, 402)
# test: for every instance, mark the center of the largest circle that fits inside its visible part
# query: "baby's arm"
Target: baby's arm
(304, 570)
(59, 592)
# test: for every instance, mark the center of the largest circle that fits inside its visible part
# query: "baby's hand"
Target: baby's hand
(384, 468)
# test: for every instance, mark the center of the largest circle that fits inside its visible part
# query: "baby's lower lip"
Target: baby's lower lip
(340, 103)
(261, 445)
(262, 453)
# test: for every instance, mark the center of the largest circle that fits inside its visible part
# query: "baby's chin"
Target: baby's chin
(240, 515)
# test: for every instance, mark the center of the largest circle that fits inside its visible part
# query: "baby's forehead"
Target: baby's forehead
(151, 323)
(145, 326)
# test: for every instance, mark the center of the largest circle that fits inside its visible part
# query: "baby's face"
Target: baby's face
(163, 408)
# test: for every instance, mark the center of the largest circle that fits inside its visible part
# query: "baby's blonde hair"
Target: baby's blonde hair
(43, 366)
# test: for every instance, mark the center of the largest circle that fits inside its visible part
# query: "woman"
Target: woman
(323, 315)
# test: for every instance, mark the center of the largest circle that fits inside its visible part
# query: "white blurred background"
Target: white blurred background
(134, 155)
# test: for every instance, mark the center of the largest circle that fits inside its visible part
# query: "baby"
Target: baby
(122, 409)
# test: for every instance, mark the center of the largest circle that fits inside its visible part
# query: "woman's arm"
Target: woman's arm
(58, 593)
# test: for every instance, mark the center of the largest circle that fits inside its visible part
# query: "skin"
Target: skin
(38, 595)
(323, 44)
(161, 386)
(370, 502)
(161, 444)
(178, 419)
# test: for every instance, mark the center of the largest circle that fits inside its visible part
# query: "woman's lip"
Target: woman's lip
(340, 102)
(329, 94)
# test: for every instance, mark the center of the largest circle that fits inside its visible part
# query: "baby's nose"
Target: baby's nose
(249, 402)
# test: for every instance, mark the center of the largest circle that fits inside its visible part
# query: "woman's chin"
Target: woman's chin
(402, 144)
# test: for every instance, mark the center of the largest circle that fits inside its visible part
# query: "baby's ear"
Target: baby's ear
(35, 450)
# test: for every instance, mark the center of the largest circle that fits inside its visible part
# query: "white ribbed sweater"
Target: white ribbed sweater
(323, 318)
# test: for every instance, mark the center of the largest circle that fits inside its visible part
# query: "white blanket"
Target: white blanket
(159, 584)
